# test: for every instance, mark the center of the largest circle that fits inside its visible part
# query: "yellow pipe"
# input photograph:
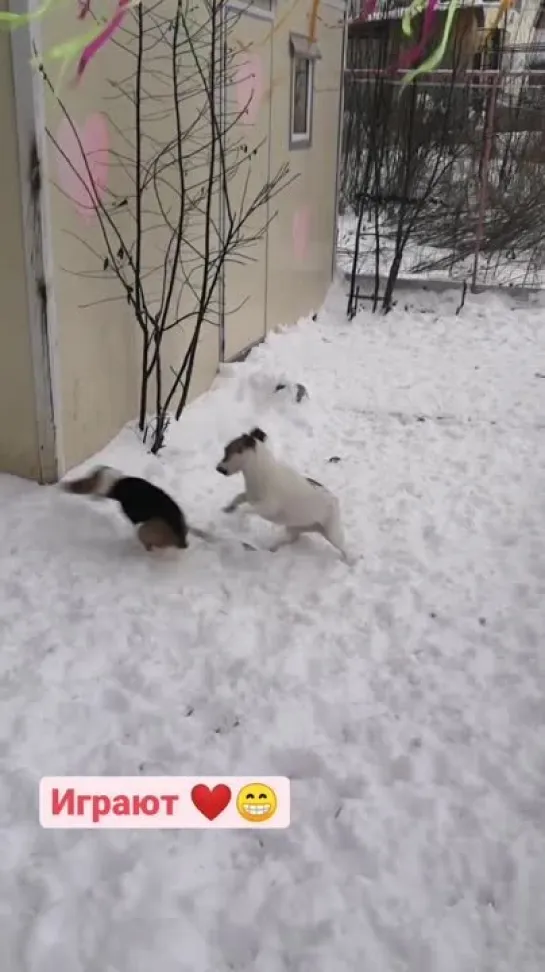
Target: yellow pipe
(313, 20)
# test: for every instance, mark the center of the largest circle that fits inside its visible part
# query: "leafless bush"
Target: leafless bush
(451, 165)
(185, 211)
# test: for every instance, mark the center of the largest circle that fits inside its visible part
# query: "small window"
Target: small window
(302, 98)
(304, 54)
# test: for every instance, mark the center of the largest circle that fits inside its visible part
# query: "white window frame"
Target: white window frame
(301, 49)
(260, 9)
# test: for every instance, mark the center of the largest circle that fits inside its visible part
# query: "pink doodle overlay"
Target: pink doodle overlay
(249, 88)
(95, 45)
(300, 230)
(83, 167)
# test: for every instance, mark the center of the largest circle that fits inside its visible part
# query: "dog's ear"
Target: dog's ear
(258, 434)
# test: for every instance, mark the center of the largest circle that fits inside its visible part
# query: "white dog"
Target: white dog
(280, 494)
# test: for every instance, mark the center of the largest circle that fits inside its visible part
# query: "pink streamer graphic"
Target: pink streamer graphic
(416, 53)
(83, 163)
(102, 39)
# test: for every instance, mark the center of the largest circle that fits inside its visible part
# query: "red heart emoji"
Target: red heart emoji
(211, 802)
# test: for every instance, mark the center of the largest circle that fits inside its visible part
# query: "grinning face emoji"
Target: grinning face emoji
(256, 802)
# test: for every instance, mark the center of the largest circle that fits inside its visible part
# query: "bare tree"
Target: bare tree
(184, 209)
(504, 192)
(448, 171)
(401, 146)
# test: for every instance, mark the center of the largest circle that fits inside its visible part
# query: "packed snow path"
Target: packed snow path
(404, 696)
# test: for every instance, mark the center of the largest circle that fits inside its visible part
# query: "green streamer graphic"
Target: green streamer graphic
(417, 7)
(438, 54)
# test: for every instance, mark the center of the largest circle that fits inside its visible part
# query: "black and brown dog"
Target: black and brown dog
(158, 517)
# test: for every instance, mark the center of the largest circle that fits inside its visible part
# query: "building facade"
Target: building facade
(70, 347)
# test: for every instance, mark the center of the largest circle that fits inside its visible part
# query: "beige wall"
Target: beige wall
(99, 338)
(99, 342)
(250, 39)
(292, 286)
(297, 287)
(19, 453)
(96, 340)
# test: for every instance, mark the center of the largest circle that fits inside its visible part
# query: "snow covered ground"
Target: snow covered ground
(502, 272)
(404, 696)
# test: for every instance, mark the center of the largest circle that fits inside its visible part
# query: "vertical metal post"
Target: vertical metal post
(483, 181)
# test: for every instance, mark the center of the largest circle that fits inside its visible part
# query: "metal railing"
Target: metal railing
(453, 166)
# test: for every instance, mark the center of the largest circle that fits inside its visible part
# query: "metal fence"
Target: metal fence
(443, 178)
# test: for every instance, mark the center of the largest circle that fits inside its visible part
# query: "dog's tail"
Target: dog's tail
(258, 434)
(99, 482)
